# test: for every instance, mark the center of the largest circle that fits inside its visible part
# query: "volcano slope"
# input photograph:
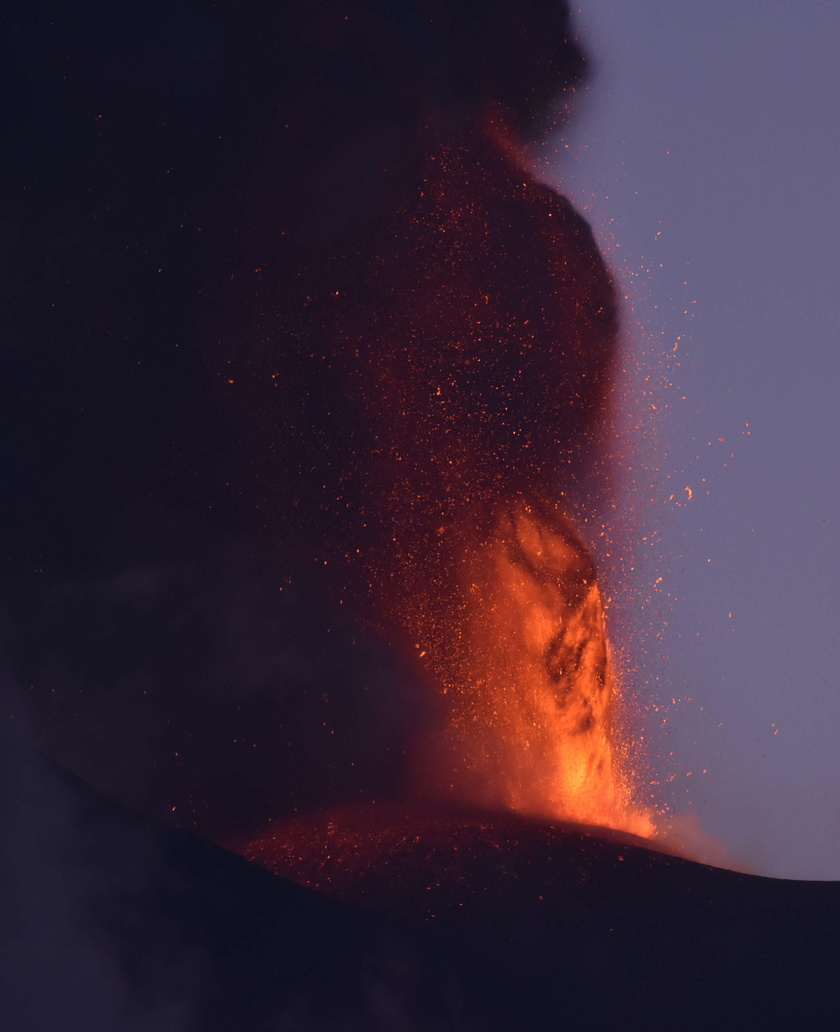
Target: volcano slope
(565, 926)
(438, 920)
(113, 922)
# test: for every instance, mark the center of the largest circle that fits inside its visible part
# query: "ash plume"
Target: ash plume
(251, 395)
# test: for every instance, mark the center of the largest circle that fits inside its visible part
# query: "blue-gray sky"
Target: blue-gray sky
(706, 154)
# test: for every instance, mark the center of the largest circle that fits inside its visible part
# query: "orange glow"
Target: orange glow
(528, 687)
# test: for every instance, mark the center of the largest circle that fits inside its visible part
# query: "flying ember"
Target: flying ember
(485, 377)
(446, 368)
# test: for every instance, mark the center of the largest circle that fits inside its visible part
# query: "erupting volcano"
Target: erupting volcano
(458, 354)
(530, 695)
(395, 405)
(335, 607)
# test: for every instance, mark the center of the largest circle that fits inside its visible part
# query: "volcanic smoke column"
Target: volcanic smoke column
(487, 380)
(440, 364)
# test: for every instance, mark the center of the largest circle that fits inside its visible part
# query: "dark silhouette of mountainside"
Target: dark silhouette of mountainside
(114, 922)
(561, 925)
(440, 921)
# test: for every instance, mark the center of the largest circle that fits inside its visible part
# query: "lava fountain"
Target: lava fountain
(446, 380)
(530, 701)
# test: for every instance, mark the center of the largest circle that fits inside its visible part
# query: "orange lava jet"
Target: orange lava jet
(530, 698)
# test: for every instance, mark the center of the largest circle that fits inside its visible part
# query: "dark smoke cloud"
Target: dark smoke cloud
(171, 634)
(205, 692)
(171, 162)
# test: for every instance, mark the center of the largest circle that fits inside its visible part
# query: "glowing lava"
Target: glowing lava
(530, 694)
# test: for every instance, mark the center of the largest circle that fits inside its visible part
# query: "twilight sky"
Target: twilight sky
(706, 155)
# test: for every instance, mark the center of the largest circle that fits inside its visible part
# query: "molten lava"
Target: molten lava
(530, 698)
